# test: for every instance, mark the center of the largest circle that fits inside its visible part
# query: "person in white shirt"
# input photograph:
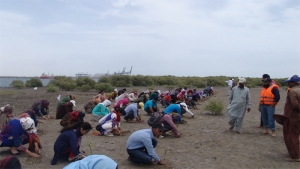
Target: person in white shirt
(229, 83)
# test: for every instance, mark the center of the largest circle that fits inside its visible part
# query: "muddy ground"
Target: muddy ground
(205, 141)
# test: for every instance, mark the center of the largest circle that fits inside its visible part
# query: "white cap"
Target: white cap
(184, 105)
(74, 103)
(242, 80)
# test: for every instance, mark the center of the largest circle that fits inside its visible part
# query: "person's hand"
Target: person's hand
(162, 162)
(177, 135)
(37, 150)
(34, 155)
(249, 109)
(258, 108)
(41, 121)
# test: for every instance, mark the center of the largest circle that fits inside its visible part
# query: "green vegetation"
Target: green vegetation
(215, 107)
(104, 86)
(170, 82)
(34, 82)
(51, 89)
(84, 88)
(6, 93)
(18, 84)
(85, 81)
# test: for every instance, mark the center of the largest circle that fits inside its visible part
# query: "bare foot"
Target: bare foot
(14, 150)
(239, 132)
(266, 131)
(273, 135)
(292, 160)
(230, 128)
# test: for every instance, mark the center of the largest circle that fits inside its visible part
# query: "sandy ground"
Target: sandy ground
(205, 141)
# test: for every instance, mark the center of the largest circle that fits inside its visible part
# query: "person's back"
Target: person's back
(172, 108)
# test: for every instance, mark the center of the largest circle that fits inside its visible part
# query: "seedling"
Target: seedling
(90, 146)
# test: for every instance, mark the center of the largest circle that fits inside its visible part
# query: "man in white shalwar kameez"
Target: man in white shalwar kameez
(239, 101)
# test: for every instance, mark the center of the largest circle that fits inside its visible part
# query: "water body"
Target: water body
(6, 81)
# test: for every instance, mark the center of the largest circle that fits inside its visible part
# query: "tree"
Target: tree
(17, 84)
(34, 82)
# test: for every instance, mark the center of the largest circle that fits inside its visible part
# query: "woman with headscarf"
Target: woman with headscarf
(110, 123)
(68, 143)
(41, 108)
(32, 115)
(5, 115)
(120, 97)
(10, 162)
(65, 100)
(19, 132)
(132, 96)
(101, 109)
(122, 103)
(64, 109)
(72, 120)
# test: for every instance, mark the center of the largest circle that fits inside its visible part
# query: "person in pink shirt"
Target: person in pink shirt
(122, 103)
(167, 121)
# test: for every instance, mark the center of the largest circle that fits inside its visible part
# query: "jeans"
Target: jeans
(267, 113)
(140, 155)
(129, 116)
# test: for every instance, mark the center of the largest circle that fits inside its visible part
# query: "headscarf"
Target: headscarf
(10, 162)
(28, 124)
(106, 103)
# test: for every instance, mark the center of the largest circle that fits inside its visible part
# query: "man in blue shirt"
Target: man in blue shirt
(133, 112)
(151, 106)
(140, 145)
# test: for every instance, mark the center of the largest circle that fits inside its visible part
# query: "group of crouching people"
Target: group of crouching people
(18, 131)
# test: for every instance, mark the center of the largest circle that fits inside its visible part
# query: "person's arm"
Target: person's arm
(248, 100)
(148, 144)
(187, 110)
(295, 101)
(73, 144)
(169, 120)
(230, 97)
(275, 92)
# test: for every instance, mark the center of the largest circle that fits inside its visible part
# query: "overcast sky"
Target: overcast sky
(157, 37)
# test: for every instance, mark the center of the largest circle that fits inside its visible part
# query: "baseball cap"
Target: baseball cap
(142, 105)
(242, 80)
(184, 105)
(294, 78)
(158, 125)
(267, 80)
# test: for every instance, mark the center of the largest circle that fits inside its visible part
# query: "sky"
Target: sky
(156, 37)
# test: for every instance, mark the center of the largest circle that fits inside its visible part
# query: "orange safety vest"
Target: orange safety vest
(266, 95)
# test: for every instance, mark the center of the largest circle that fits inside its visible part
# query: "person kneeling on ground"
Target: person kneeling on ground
(101, 109)
(151, 106)
(140, 145)
(41, 108)
(10, 162)
(64, 109)
(93, 162)
(72, 120)
(133, 112)
(168, 121)
(110, 123)
(5, 115)
(68, 143)
(19, 132)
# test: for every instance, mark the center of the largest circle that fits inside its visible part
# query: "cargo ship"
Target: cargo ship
(45, 76)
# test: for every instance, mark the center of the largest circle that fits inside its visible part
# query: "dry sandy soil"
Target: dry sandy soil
(205, 141)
